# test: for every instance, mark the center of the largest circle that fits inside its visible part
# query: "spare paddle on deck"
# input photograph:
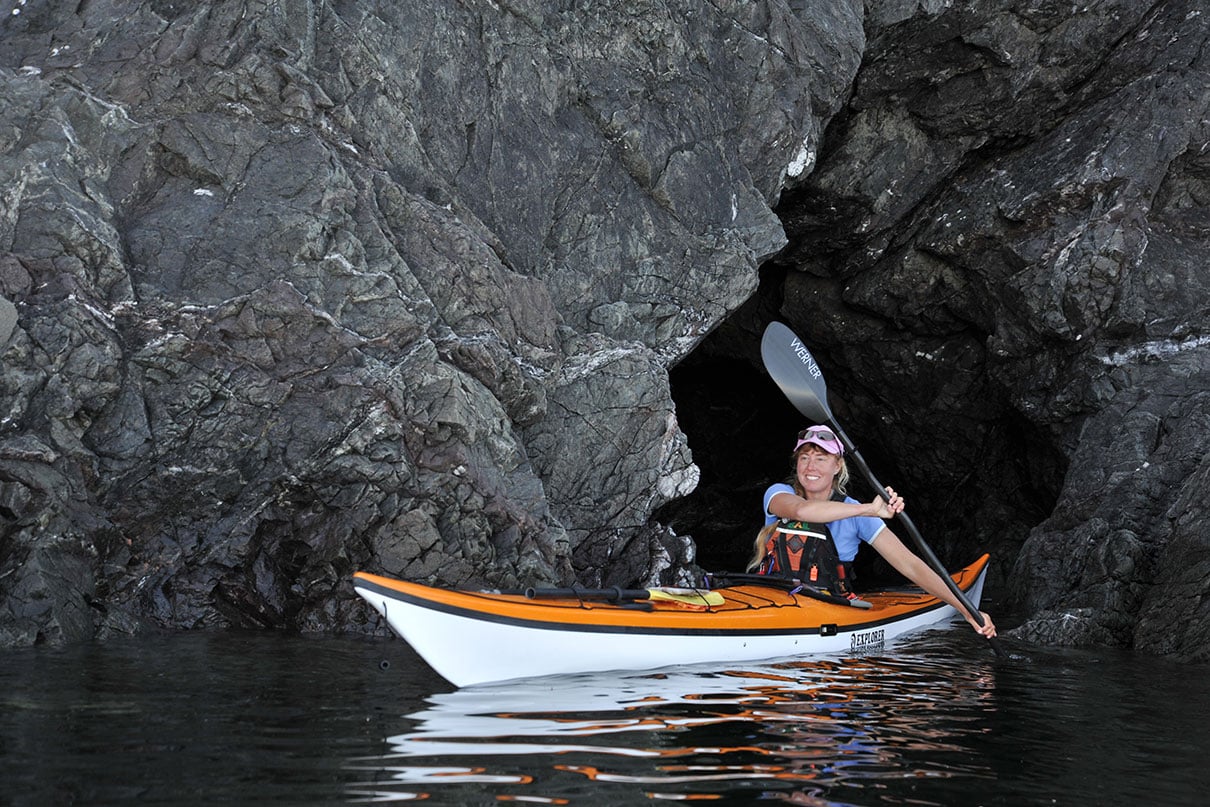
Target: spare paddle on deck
(683, 596)
(794, 370)
(686, 596)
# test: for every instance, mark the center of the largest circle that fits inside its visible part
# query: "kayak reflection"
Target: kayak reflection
(690, 731)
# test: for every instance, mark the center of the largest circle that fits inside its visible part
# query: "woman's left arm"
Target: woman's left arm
(913, 567)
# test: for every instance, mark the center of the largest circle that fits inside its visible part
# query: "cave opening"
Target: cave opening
(740, 429)
(737, 430)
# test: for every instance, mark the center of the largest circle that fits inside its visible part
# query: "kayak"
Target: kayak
(478, 637)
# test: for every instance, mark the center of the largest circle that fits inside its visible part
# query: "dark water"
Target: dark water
(262, 718)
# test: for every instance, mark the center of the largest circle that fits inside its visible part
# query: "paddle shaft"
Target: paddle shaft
(922, 546)
(925, 550)
(613, 594)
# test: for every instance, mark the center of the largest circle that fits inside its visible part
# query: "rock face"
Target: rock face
(292, 289)
(296, 288)
(1049, 217)
(1001, 262)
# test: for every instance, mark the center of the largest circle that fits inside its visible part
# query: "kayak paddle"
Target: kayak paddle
(683, 596)
(794, 370)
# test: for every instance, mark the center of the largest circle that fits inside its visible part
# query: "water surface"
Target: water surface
(255, 718)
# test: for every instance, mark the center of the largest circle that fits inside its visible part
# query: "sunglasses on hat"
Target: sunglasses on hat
(818, 431)
(822, 434)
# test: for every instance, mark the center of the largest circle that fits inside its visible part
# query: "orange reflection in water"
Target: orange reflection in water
(696, 773)
(532, 799)
(803, 725)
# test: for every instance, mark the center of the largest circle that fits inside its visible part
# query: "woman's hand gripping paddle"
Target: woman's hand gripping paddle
(793, 369)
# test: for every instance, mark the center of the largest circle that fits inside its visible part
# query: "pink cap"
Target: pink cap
(820, 436)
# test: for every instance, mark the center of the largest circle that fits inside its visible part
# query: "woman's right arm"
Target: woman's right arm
(792, 507)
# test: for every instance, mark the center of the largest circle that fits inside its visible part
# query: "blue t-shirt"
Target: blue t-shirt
(848, 533)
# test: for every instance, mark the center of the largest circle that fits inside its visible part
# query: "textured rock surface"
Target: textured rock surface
(293, 288)
(1001, 257)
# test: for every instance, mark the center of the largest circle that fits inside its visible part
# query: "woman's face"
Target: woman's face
(816, 469)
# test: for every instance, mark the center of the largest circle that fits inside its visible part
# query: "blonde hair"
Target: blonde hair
(842, 478)
(762, 537)
(758, 549)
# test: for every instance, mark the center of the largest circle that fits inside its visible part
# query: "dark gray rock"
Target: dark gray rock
(1001, 254)
(320, 287)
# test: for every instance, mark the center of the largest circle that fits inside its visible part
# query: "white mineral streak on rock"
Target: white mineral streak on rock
(1156, 348)
(803, 161)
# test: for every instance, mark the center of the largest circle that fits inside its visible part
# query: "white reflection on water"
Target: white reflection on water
(689, 733)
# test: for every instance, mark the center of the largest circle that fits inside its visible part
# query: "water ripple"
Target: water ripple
(707, 733)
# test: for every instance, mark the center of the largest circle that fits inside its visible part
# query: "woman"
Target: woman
(817, 496)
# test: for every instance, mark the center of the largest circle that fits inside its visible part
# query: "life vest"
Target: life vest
(806, 552)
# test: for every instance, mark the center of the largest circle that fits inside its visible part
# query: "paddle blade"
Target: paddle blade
(686, 596)
(793, 369)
